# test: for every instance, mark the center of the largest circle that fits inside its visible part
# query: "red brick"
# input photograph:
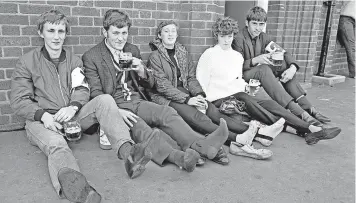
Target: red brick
(144, 31)
(5, 84)
(144, 48)
(14, 41)
(8, 93)
(2, 74)
(105, 3)
(98, 39)
(69, 3)
(87, 3)
(3, 96)
(198, 24)
(145, 14)
(85, 31)
(12, 51)
(162, 15)
(34, 9)
(210, 41)
(98, 21)
(143, 23)
(86, 40)
(184, 32)
(197, 49)
(87, 21)
(37, 2)
(8, 8)
(142, 39)
(200, 16)
(10, 30)
(181, 16)
(4, 120)
(13, 20)
(6, 109)
(162, 6)
(73, 21)
(17, 119)
(174, 7)
(27, 49)
(9, 73)
(185, 24)
(81, 49)
(64, 9)
(85, 11)
(71, 40)
(127, 4)
(201, 33)
(37, 41)
(29, 30)
(194, 7)
(145, 5)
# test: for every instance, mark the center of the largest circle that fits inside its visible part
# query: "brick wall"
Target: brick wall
(299, 27)
(19, 35)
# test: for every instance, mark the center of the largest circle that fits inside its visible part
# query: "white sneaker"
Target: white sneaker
(249, 151)
(267, 133)
(264, 142)
(104, 142)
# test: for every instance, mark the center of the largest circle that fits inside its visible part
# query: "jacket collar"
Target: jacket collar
(45, 53)
(248, 38)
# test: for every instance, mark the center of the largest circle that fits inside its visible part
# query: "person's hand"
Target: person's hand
(128, 117)
(252, 90)
(288, 74)
(262, 59)
(137, 65)
(48, 122)
(197, 101)
(64, 114)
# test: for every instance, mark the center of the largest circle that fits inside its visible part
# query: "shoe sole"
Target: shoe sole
(254, 156)
(312, 141)
(75, 187)
(105, 147)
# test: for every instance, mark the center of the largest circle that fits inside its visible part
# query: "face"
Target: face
(168, 35)
(225, 41)
(116, 37)
(53, 35)
(255, 27)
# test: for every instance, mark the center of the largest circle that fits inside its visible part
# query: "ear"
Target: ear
(40, 34)
(159, 36)
(246, 23)
(105, 33)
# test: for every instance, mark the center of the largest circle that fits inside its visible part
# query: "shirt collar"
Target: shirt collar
(62, 57)
(112, 50)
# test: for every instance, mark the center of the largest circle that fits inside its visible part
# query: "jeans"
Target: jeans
(101, 109)
(346, 36)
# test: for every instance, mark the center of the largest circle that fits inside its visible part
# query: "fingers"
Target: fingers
(58, 126)
(127, 121)
(51, 127)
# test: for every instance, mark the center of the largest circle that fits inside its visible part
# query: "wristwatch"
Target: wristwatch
(75, 108)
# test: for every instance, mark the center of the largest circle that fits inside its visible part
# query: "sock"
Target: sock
(124, 151)
(295, 108)
(304, 103)
(314, 129)
(210, 145)
(290, 129)
(247, 137)
(272, 130)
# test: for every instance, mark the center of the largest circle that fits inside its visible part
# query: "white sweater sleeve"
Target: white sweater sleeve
(204, 70)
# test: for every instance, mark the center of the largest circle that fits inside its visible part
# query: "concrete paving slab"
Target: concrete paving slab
(297, 172)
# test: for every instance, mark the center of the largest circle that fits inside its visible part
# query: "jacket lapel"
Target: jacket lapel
(107, 61)
(248, 42)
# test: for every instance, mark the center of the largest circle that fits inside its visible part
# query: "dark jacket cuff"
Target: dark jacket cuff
(202, 94)
(186, 100)
(77, 104)
(38, 114)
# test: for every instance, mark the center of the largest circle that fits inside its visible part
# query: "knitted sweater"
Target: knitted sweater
(219, 72)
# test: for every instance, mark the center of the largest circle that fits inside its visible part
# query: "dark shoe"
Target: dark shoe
(324, 134)
(311, 120)
(75, 188)
(313, 112)
(140, 155)
(201, 161)
(190, 160)
(221, 157)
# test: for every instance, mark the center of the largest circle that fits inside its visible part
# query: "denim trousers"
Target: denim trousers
(346, 36)
(102, 109)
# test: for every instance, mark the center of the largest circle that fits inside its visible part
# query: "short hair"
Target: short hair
(163, 24)
(225, 26)
(116, 18)
(256, 13)
(54, 17)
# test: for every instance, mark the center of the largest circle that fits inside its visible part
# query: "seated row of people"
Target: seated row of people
(178, 121)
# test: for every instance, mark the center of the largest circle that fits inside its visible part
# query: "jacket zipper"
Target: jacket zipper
(59, 82)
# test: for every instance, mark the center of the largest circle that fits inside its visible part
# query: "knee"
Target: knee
(168, 111)
(106, 99)
(241, 96)
(57, 145)
(265, 70)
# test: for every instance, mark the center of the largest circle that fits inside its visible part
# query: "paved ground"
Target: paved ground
(297, 172)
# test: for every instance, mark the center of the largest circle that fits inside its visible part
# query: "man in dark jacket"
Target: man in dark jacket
(48, 88)
(251, 42)
(106, 75)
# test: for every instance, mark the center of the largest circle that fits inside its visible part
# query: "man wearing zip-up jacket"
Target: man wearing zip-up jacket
(48, 88)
